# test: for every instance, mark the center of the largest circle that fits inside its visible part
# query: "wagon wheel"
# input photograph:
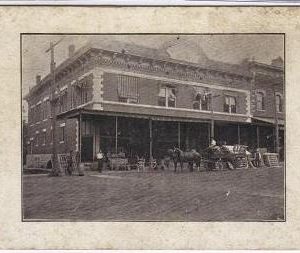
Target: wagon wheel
(219, 165)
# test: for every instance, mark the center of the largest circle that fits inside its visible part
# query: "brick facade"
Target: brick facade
(90, 81)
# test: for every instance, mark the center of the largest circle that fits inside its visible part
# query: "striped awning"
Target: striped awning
(127, 87)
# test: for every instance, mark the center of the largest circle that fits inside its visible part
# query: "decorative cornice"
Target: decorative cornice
(159, 67)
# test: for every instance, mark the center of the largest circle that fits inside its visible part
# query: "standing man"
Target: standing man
(257, 158)
(70, 163)
(100, 157)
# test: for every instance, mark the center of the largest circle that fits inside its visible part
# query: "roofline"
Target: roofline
(83, 50)
(267, 65)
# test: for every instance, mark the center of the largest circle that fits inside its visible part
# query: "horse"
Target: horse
(180, 156)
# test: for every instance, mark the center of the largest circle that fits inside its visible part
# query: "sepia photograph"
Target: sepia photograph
(153, 127)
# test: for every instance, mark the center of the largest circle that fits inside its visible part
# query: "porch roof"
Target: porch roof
(267, 120)
(93, 113)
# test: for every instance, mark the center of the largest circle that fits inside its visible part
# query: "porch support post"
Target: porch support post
(94, 139)
(187, 137)
(239, 134)
(212, 130)
(151, 140)
(208, 133)
(79, 135)
(178, 134)
(257, 135)
(116, 128)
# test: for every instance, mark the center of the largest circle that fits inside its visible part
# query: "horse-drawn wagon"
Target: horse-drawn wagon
(225, 157)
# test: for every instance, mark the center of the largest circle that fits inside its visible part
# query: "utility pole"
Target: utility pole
(276, 123)
(212, 129)
(53, 101)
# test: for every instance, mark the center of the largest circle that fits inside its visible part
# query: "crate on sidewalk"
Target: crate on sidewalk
(271, 159)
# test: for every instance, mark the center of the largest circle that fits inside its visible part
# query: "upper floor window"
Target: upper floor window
(260, 101)
(167, 97)
(279, 103)
(36, 140)
(30, 114)
(38, 112)
(62, 133)
(44, 109)
(230, 104)
(51, 135)
(63, 102)
(128, 89)
(80, 92)
(44, 137)
(73, 96)
(84, 94)
(201, 102)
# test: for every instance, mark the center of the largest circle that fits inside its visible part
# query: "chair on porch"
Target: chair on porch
(141, 164)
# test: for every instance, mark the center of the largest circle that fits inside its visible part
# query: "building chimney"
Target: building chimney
(71, 50)
(38, 79)
(278, 62)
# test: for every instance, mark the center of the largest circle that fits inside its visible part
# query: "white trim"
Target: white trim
(191, 83)
(260, 91)
(63, 88)
(85, 75)
(173, 108)
(45, 99)
(62, 124)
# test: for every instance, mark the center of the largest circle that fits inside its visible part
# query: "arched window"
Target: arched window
(279, 107)
(260, 101)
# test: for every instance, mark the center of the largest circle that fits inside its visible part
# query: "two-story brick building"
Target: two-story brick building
(121, 97)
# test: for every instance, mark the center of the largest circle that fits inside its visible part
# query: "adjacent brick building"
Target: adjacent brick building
(121, 97)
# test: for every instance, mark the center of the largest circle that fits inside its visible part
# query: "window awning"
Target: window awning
(128, 87)
(268, 120)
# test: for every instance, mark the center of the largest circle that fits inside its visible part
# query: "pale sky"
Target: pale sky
(226, 48)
